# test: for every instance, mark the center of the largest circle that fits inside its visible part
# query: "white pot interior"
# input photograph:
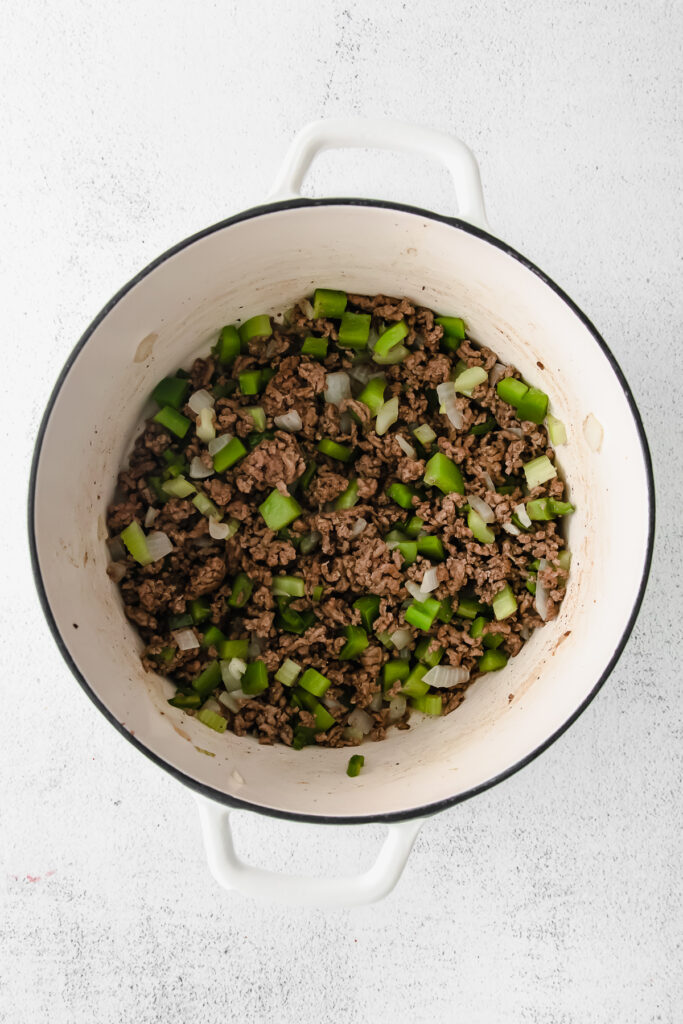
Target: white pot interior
(261, 264)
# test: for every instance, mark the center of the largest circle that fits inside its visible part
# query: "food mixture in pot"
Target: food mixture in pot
(337, 520)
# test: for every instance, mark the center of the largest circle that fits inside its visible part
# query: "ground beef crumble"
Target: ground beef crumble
(339, 559)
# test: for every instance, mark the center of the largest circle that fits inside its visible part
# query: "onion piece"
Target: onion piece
(345, 422)
(358, 527)
(497, 373)
(233, 701)
(198, 471)
(332, 704)
(387, 415)
(219, 531)
(510, 528)
(429, 581)
(376, 702)
(116, 571)
(206, 428)
(424, 434)
(186, 639)
(216, 443)
(517, 431)
(354, 735)
(201, 400)
(482, 507)
(447, 397)
(522, 514)
(415, 590)
(400, 638)
(406, 447)
(541, 596)
(397, 708)
(158, 545)
(306, 308)
(232, 672)
(363, 372)
(116, 548)
(361, 720)
(290, 421)
(443, 677)
(593, 432)
(150, 516)
(337, 387)
(490, 486)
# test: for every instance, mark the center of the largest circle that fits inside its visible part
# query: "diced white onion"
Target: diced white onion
(201, 400)
(337, 387)
(186, 639)
(400, 638)
(289, 421)
(445, 391)
(397, 708)
(150, 516)
(198, 471)
(429, 581)
(359, 719)
(522, 514)
(206, 429)
(510, 528)
(414, 590)
(354, 735)
(482, 507)
(490, 486)
(406, 447)
(363, 372)
(306, 308)
(541, 596)
(278, 318)
(497, 373)
(232, 672)
(443, 677)
(387, 415)
(376, 702)
(216, 443)
(593, 432)
(331, 703)
(424, 434)
(158, 545)
(517, 431)
(447, 397)
(219, 531)
(116, 549)
(116, 571)
(358, 527)
(345, 422)
(211, 705)
(233, 701)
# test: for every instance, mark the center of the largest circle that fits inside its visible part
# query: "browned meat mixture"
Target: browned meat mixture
(315, 578)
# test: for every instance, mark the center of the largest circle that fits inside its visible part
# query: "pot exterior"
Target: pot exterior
(262, 261)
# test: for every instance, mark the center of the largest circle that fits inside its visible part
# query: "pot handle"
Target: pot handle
(358, 132)
(297, 890)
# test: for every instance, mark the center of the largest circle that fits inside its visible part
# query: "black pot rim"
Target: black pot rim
(424, 810)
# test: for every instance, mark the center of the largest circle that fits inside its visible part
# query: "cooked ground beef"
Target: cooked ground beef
(344, 546)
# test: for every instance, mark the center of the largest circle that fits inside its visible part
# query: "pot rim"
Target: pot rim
(208, 791)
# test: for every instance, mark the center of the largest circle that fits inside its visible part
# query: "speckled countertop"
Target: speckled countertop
(557, 896)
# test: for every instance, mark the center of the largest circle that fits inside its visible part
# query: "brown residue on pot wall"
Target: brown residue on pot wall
(144, 349)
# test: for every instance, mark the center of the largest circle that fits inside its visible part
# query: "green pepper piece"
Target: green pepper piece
(171, 391)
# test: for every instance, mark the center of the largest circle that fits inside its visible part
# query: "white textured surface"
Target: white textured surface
(555, 897)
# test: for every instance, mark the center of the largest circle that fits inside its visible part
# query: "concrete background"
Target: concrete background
(557, 896)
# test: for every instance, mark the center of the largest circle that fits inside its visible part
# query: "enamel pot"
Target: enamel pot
(261, 261)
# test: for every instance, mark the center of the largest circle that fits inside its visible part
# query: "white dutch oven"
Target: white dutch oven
(261, 261)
